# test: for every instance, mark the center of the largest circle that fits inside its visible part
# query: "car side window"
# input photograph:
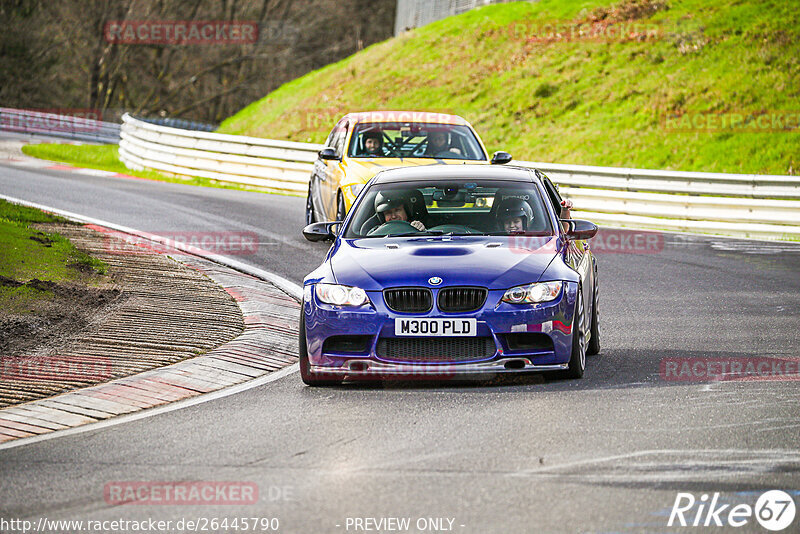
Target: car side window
(336, 137)
(331, 136)
(552, 194)
(342, 135)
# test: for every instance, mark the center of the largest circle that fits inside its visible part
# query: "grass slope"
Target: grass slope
(582, 101)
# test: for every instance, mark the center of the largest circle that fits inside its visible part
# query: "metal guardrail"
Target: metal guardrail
(57, 125)
(280, 165)
(741, 205)
(180, 123)
(728, 204)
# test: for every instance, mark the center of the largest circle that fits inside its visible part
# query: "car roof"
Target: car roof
(406, 116)
(434, 171)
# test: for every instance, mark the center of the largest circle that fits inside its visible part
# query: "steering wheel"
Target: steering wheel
(449, 153)
(393, 227)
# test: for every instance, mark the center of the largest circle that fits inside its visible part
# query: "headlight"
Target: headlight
(356, 189)
(530, 294)
(341, 295)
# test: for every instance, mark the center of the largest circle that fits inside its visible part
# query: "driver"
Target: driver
(373, 144)
(438, 142)
(514, 215)
(392, 206)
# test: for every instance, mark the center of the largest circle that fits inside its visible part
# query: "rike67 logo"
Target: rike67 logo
(774, 510)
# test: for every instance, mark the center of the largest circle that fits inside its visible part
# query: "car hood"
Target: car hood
(488, 261)
(360, 170)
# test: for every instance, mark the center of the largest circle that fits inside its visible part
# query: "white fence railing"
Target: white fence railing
(728, 204)
(742, 205)
(281, 165)
(58, 125)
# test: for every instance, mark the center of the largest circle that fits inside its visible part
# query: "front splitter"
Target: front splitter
(365, 368)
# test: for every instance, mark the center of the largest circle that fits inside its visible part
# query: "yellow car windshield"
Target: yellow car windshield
(414, 140)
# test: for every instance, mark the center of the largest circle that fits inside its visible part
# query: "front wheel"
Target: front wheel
(305, 366)
(594, 337)
(311, 217)
(577, 362)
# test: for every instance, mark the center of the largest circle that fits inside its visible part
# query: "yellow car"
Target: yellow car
(362, 144)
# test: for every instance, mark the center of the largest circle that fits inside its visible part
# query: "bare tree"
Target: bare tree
(55, 54)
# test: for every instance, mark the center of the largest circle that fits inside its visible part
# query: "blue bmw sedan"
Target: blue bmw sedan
(450, 271)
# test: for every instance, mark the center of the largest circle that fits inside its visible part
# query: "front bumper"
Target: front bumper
(495, 320)
(367, 368)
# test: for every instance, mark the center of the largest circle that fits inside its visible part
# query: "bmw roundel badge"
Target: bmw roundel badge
(434, 280)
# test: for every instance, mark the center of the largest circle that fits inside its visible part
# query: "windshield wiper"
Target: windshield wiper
(418, 234)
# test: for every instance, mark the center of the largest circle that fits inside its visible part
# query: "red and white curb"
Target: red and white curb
(265, 351)
(41, 164)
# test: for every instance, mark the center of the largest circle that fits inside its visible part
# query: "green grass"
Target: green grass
(24, 215)
(580, 101)
(29, 254)
(106, 158)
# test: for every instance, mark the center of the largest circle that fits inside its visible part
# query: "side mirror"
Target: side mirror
(328, 153)
(501, 158)
(578, 229)
(321, 231)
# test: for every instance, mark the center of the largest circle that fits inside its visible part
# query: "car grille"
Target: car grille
(439, 349)
(461, 299)
(409, 299)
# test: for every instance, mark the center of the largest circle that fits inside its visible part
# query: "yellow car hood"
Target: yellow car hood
(360, 170)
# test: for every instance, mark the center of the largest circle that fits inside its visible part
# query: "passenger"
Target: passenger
(392, 206)
(514, 215)
(373, 144)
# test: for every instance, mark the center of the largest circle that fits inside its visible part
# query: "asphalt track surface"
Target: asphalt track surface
(608, 453)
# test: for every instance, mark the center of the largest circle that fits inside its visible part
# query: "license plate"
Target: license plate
(435, 327)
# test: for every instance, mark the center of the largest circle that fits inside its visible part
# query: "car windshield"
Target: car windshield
(457, 207)
(414, 140)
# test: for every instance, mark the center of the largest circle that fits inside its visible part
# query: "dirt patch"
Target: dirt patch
(67, 310)
(628, 10)
(43, 238)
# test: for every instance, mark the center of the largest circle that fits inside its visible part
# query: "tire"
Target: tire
(305, 365)
(577, 361)
(311, 217)
(341, 211)
(594, 338)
